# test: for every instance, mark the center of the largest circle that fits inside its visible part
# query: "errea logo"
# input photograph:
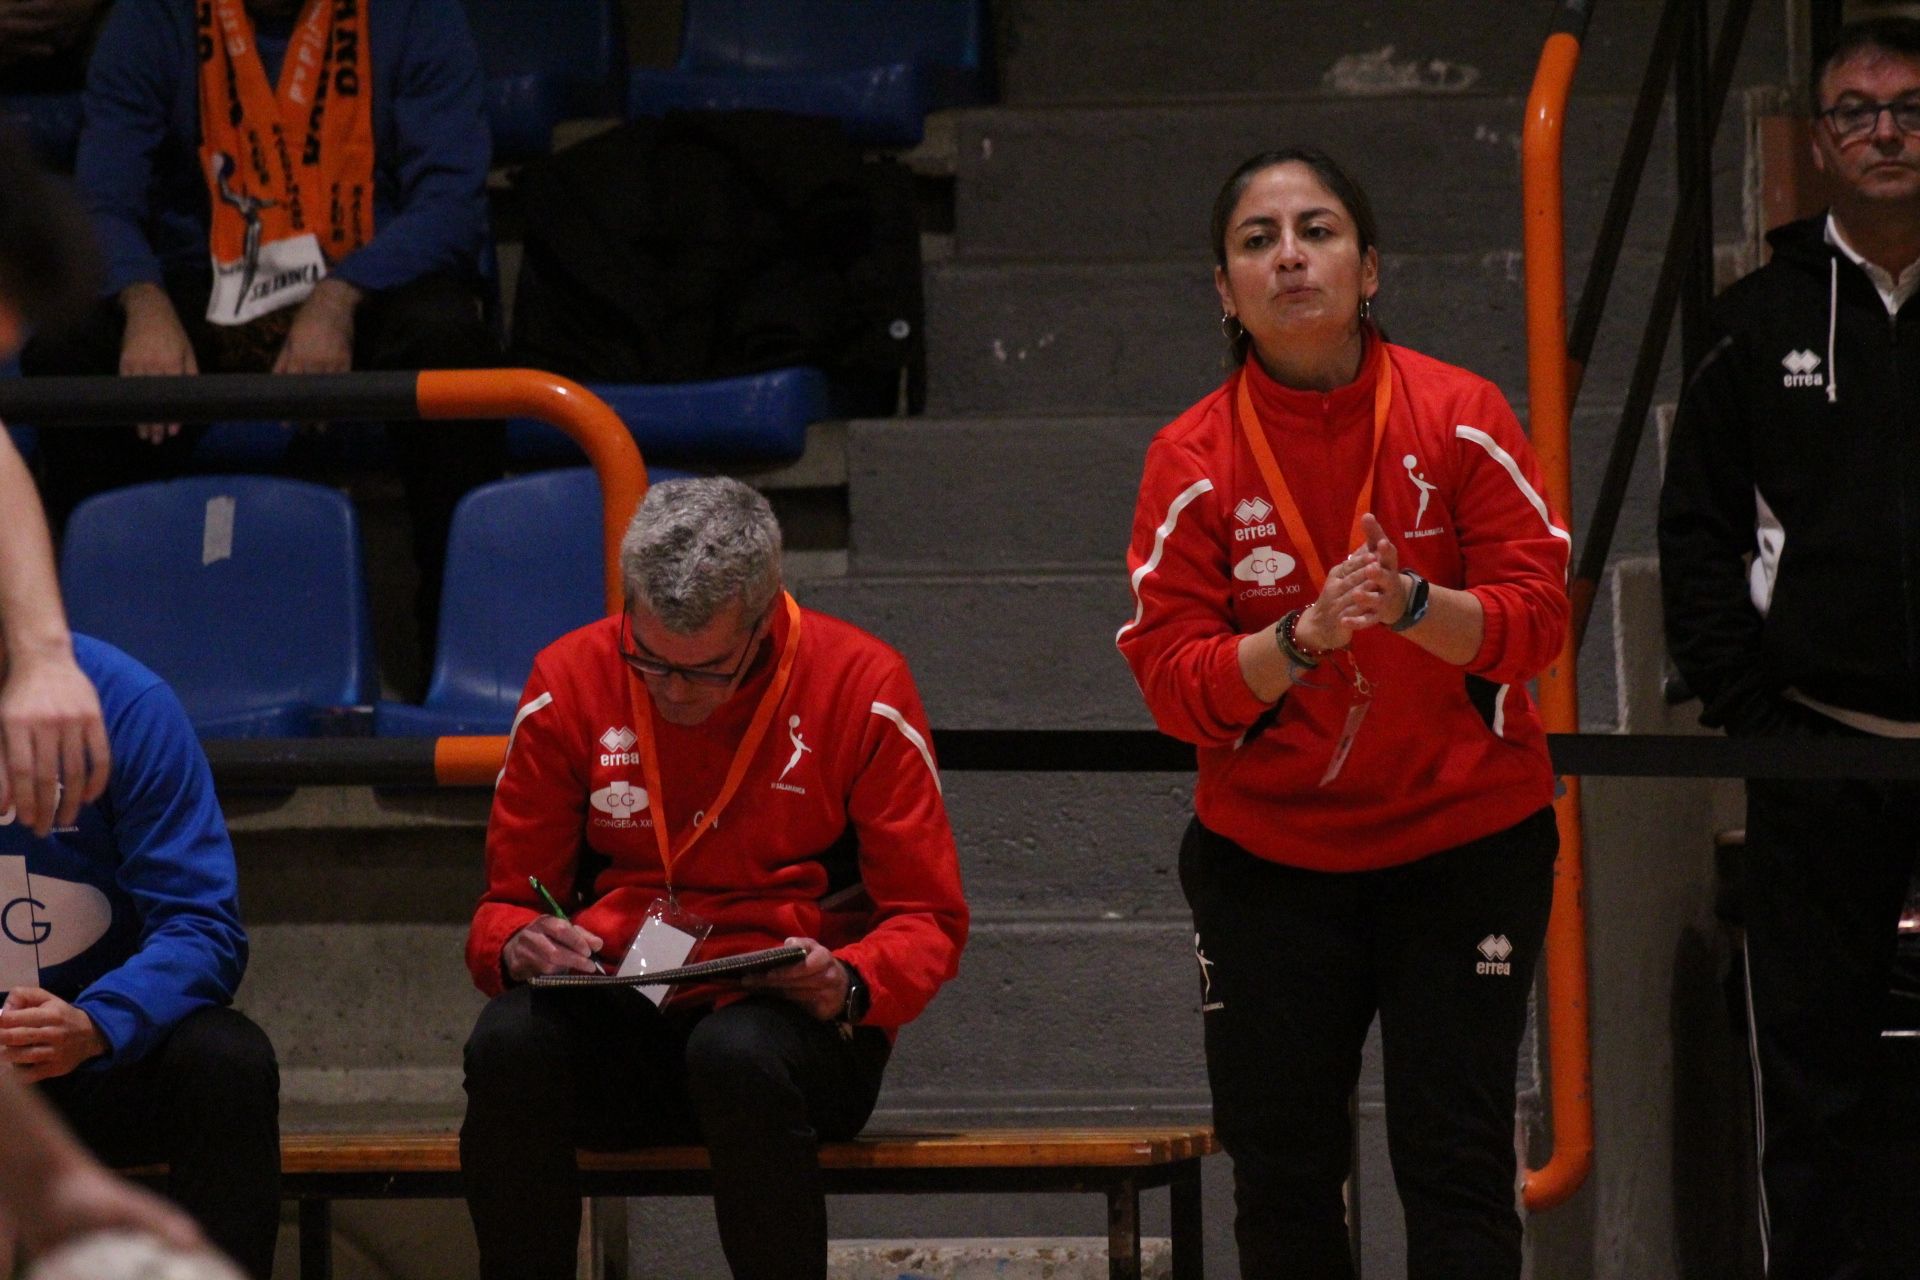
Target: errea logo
(1800, 366)
(619, 747)
(1494, 950)
(1252, 514)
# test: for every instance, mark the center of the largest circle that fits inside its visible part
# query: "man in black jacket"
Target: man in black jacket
(1790, 554)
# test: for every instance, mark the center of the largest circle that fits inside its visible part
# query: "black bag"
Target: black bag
(708, 245)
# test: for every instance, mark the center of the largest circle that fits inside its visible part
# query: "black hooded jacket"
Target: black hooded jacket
(1790, 513)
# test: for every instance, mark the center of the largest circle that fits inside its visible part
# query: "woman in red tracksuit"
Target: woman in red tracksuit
(1344, 575)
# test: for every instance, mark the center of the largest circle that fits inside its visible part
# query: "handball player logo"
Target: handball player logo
(1421, 483)
(621, 801)
(800, 748)
(1265, 566)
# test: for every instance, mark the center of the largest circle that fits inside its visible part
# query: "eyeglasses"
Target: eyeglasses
(649, 666)
(1858, 119)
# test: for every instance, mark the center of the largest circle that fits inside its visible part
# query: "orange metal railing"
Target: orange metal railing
(1550, 379)
(504, 393)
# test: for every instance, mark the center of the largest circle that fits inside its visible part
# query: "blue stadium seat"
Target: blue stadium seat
(49, 121)
(762, 417)
(245, 592)
(546, 61)
(877, 66)
(524, 567)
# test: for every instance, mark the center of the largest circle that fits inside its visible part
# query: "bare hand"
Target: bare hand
(43, 1037)
(1347, 603)
(1388, 602)
(549, 944)
(817, 982)
(320, 339)
(53, 745)
(155, 345)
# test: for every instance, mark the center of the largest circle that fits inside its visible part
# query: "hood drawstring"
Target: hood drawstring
(1833, 316)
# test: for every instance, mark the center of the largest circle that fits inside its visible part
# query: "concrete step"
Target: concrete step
(1025, 651)
(377, 1014)
(1100, 845)
(1442, 174)
(1144, 338)
(1077, 51)
(983, 494)
(1021, 495)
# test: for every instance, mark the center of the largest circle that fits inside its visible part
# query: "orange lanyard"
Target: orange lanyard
(640, 703)
(1288, 509)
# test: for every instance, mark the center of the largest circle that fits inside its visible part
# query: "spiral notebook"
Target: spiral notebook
(725, 967)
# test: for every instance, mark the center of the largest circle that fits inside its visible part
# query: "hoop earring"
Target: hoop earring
(1230, 326)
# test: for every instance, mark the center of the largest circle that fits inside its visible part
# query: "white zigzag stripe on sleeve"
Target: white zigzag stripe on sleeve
(913, 736)
(1527, 491)
(545, 699)
(1160, 535)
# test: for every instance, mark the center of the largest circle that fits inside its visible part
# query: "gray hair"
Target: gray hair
(695, 546)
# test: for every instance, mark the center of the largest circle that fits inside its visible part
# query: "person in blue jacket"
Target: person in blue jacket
(393, 283)
(120, 949)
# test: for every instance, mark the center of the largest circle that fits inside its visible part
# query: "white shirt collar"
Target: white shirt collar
(1894, 293)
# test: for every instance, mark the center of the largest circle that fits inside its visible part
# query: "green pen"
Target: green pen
(557, 910)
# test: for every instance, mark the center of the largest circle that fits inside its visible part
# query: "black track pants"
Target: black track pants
(760, 1082)
(1294, 966)
(1824, 875)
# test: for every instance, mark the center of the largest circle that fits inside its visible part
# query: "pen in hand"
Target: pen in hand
(557, 910)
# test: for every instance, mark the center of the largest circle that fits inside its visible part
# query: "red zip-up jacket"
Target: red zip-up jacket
(842, 792)
(1445, 755)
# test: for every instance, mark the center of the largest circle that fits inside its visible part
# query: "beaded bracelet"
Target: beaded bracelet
(1290, 644)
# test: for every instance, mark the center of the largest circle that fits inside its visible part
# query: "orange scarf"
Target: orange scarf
(289, 175)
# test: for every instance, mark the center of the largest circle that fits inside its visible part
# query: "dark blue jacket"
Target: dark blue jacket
(139, 166)
(132, 914)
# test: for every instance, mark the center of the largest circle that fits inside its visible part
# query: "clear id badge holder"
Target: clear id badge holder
(667, 939)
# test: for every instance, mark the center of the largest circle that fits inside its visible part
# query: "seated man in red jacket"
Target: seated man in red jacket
(716, 767)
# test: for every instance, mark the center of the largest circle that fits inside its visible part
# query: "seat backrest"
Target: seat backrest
(831, 35)
(525, 565)
(245, 593)
(580, 44)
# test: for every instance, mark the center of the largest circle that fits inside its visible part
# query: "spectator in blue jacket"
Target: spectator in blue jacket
(402, 292)
(120, 949)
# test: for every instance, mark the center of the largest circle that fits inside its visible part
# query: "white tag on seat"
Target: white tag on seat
(216, 538)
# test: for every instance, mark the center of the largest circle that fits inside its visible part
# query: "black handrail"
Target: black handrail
(215, 397)
(1653, 342)
(253, 763)
(1585, 328)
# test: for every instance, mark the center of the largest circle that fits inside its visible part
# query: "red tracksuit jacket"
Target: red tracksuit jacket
(848, 792)
(1444, 755)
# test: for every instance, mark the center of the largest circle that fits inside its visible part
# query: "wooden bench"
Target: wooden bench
(319, 1168)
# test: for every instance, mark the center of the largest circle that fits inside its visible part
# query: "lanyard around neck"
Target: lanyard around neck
(640, 702)
(1283, 501)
